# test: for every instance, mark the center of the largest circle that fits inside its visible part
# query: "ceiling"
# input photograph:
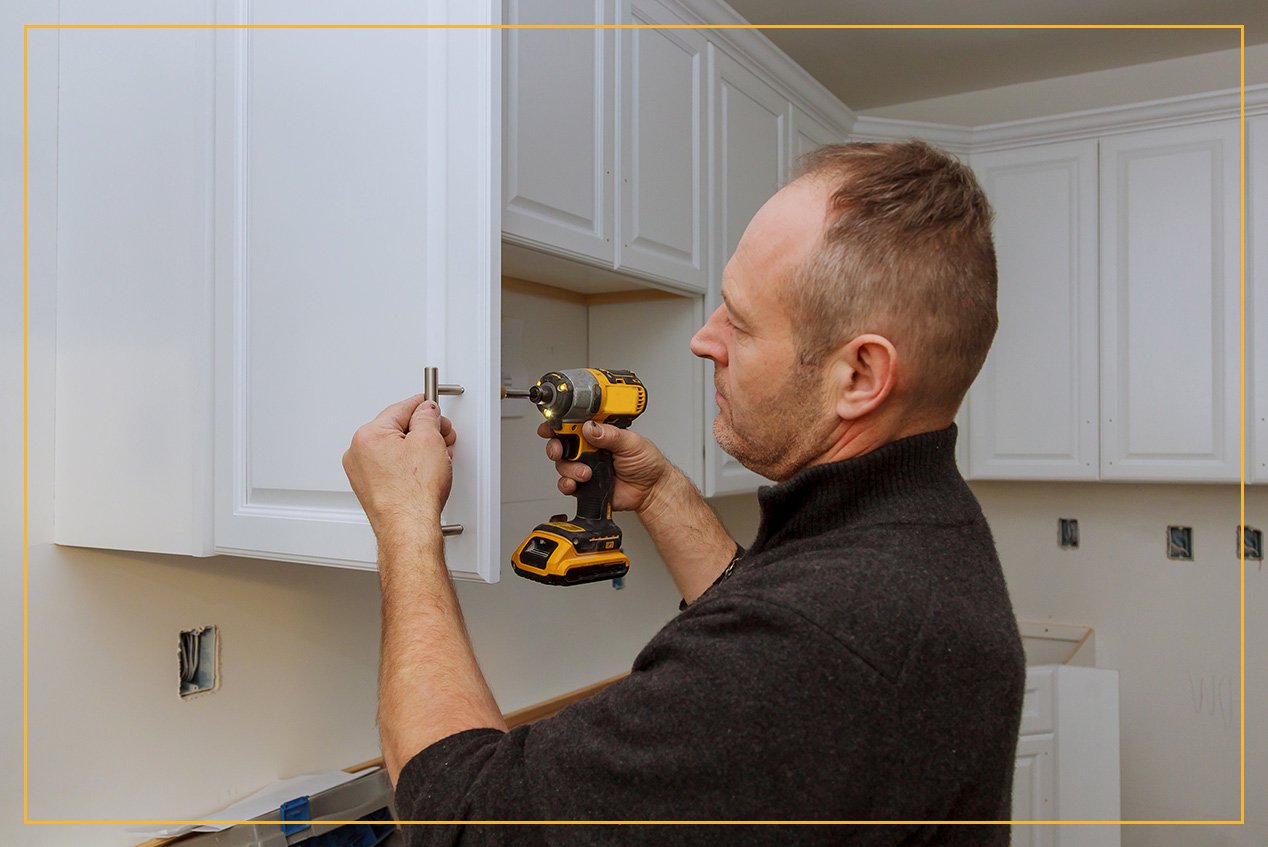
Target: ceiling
(867, 69)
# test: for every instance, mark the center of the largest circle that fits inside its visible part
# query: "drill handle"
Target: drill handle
(594, 497)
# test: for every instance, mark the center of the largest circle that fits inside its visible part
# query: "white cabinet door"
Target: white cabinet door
(357, 246)
(559, 120)
(265, 236)
(1257, 297)
(661, 156)
(750, 134)
(1170, 278)
(805, 133)
(133, 234)
(1033, 408)
(1033, 781)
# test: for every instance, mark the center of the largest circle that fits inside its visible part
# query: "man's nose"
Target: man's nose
(707, 343)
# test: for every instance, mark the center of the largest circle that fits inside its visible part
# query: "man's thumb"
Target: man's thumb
(606, 436)
(426, 414)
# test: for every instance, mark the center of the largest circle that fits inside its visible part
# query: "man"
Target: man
(859, 662)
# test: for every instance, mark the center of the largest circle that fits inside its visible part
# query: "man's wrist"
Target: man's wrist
(410, 540)
(667, 490)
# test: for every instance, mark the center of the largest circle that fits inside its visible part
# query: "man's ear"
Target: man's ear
(863, 374)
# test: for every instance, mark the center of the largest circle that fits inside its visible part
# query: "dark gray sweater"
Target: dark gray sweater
(861, 662)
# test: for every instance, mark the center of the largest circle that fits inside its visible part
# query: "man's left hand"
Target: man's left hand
(401, 467)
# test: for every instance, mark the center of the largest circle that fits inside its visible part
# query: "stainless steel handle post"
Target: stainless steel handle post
(432, 389)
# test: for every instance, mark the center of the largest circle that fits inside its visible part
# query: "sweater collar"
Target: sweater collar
(913, 479)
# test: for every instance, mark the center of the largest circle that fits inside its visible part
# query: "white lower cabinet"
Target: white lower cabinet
(1170, 286)
(1067, 758)
(260, 249)
(1033, 790)
(1033, 408)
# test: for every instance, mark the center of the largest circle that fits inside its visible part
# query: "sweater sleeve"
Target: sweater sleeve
(713, 723)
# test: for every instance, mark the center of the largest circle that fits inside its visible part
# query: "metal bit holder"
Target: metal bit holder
(433, 388)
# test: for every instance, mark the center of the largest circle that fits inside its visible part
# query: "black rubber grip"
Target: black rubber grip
(594, 497)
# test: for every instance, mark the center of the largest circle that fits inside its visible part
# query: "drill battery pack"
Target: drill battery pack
(563, 552)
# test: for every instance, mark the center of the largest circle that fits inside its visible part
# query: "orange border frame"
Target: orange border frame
(26, 29)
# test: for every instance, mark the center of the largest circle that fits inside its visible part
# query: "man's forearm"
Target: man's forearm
(430, 685)
(688, 535)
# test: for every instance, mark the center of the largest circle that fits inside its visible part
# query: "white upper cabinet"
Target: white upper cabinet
(805, 133)
(133, 276)
(337, 210)
(662, 154)
(1033, 409)
(558, 126)
(1257, 297)
(750, 137)
(1170, 278)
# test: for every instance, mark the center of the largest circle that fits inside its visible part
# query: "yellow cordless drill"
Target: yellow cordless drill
(588, 547)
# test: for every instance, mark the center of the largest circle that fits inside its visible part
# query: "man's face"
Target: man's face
(773, 415)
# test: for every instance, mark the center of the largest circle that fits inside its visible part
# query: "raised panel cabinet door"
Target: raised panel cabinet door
(750, 134)
(558, 123)
(1170, 285)
(806, 133)
(661, 155)
(1257, 297)
(1033, 779)
(1033, 408)
(128, 116)
(357, 245)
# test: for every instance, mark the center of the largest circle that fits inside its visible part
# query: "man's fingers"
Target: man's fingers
(554, 450)
(573, 470)
(567, 486)
(398, 415)
(447, 431)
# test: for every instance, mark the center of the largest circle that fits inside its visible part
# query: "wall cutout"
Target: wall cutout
(1250, 540)
(1068, 533)
(199, 660)
(1180, 543)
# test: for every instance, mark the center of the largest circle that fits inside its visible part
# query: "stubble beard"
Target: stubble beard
(781, 442)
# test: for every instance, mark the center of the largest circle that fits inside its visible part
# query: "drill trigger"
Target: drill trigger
(573, 446)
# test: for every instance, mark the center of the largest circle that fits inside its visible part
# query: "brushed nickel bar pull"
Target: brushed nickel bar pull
(449, 529)
(433, 387)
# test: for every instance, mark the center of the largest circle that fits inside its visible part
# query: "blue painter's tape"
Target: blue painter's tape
(296, 810)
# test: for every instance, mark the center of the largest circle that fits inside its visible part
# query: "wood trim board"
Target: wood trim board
(519, 717)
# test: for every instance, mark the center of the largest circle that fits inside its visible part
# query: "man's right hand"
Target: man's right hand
(640, 466)
(688, 535)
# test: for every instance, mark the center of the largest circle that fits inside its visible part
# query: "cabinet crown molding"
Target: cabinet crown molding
(1072, 126)
(752, 45)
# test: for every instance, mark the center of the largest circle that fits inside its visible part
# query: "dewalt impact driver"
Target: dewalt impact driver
(588, 547)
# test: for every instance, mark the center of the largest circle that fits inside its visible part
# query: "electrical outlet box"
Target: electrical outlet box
(199, 654)
(1180, 543)
(1068, 533)
(1250, 543)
